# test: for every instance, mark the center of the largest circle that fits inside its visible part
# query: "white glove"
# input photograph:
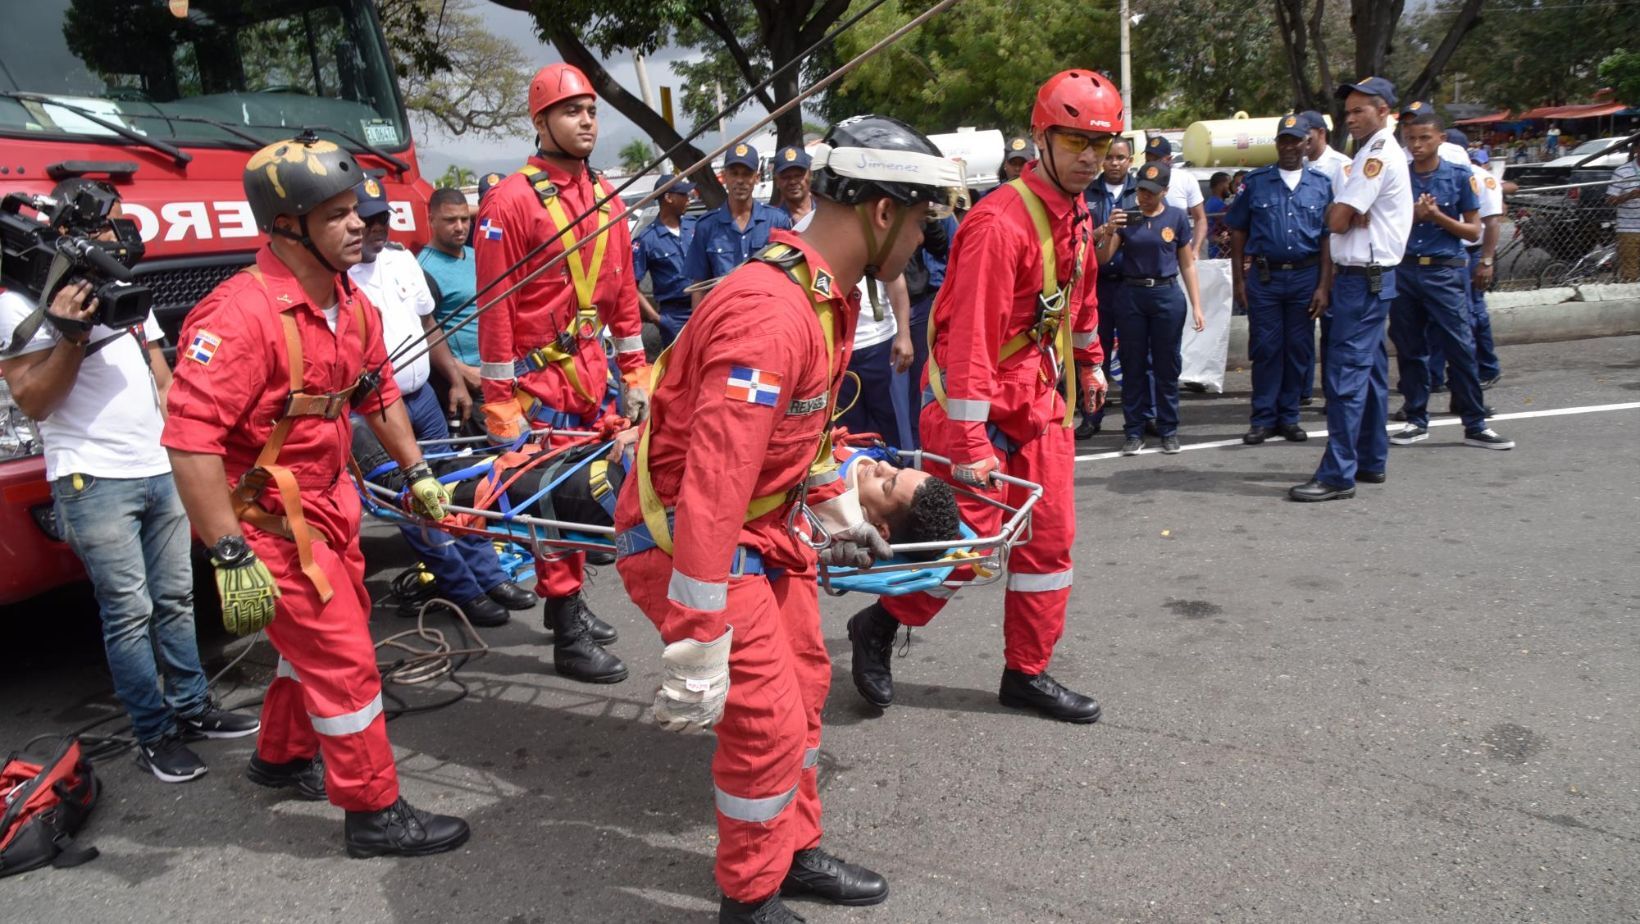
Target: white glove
(856, 547)
(694, 684)
(636, 405)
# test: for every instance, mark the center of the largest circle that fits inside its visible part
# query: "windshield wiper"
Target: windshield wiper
(214, 123)
(176, 154)
(365, 146)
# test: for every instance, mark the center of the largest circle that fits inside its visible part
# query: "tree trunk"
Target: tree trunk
(1468, 18)
(1373, 22)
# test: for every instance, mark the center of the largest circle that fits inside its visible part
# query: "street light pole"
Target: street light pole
(1127, 64)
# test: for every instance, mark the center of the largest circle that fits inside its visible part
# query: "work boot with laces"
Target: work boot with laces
(872, 631)
(402, 830)
(771, 910)
(575, 653)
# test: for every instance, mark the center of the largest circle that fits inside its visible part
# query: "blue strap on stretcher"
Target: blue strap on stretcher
(507, 508)
(895, 583)
(744, 563)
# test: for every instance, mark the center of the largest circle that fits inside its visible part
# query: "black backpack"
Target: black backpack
(45, 804)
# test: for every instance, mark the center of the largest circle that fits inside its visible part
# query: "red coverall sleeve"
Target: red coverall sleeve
(622, 318)
(979, 290)
(728, 441)
(1085, 324)
(491, 256)
(210, 399)
(375, 357)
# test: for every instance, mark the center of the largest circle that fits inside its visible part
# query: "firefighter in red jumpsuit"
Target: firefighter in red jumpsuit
(270, 364)
(708, 539)
(1000, 386)
(542, 359)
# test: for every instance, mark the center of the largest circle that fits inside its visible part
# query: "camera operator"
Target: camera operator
(97, 395)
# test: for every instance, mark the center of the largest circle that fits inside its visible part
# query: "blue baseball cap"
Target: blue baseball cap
(1457, 137)
(791, 156)
(1312, 119)
(1480, 157)
(1293, 126)
(1018, 148)
(488, 182)
(683, 187)
(742, 154)
(372, 198)
(1158, 146)
(1418, 111)
(1371, 86)
(1155, 177)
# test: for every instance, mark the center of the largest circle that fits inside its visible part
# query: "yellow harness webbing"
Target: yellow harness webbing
(583, 273)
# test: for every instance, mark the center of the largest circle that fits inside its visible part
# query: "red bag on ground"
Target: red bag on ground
(45, 804)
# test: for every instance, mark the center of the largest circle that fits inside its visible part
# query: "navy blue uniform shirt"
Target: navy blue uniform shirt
(1282, 224)
(1101, 204)
(660, 254)
(719, 246)
(1151, 248)
(1449, 184)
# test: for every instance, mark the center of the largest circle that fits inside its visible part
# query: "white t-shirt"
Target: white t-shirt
(1335, 164)
(1490, 193)
(1183, 191)
(396, 285)
(1625, 179)
(1291, 177)
(1379, 186)
(109, 424)
(868, 331)
(1450, 152)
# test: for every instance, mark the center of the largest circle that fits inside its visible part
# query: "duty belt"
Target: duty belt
(1282, 266)
(1435, 261)
(1148, 282)
(1373, 270)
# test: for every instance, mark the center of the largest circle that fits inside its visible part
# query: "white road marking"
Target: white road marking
(1434, 422)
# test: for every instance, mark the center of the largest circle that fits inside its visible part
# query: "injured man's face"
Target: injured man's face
(906, 505)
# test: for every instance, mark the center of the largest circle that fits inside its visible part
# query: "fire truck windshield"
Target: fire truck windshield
(169, 69)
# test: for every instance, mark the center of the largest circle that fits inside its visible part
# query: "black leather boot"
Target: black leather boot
(575, 653)
(602, 632)
(1045, 694)
(872, 631)
(402, 830)
(771, 910)
(307, 776)
(815, 872)
(512, 596)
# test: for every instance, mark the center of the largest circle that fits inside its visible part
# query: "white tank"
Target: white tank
(1237, 142)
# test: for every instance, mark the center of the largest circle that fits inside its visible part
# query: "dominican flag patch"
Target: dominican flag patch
(202, 349)
(490, 229)
(754, 386)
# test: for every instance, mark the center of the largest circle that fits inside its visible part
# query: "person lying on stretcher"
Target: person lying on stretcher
(905, 505)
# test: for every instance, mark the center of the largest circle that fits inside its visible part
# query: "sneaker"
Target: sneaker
(170, 760)
(215, 722)
(1488, 383)
(1409, 434)
(1170, 444)
(1487, 439)
(1132, 445)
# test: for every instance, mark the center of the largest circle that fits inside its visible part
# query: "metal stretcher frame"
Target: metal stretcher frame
(986, 556)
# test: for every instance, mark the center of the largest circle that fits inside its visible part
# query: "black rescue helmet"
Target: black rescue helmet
(870, 156)
(292, 177)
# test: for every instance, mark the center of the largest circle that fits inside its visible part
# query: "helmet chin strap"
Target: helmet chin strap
(306, 241)
(876, 253)
(1052, 163)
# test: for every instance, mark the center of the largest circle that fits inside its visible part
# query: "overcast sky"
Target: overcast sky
(438, 150)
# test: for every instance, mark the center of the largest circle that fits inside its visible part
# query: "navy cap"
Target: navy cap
(488, 182)
(1372, 86)
(1293, 126)
(372, 198)
(1418, 110)
(1457, 137)
(742, 154)
(1479, 156)
(1018, 148)
(683, 187)
(1158, 146)
(791, 156)
(1312, 119)
(1155, 177)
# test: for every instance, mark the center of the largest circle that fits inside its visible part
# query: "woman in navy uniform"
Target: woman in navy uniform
(1156, 252)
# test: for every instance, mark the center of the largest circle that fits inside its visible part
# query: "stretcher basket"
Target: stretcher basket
(985, 557)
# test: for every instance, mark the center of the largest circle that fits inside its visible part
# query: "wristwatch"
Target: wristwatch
(1486, 261)
(230, 552)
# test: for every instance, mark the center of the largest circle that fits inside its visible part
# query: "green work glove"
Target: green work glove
(247, 590)
(428, 496)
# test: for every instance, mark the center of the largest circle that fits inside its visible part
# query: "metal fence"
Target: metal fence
(1553, 236)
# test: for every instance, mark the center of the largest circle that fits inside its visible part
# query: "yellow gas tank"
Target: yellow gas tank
(1237, 142)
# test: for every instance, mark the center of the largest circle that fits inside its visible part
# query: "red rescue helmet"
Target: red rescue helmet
(555, 83)
(1078, 99)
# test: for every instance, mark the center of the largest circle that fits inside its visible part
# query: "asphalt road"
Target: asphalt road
(1417, 705)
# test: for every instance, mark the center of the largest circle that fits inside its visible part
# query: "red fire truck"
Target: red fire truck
(167, 99)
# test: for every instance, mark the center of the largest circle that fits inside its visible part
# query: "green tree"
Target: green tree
(635, 156)
(455, 72)
(457, 176)
(1621, 71)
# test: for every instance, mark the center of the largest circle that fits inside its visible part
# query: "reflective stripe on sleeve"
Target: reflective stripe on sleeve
(811, 758)
(629, 344)
(1041, 583)
(697, 595)
(968, 410)
(349, 723)
(756, 811)
(1082, 340)
(496, 372)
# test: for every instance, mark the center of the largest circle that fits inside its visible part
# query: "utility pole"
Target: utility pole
(1127, 63)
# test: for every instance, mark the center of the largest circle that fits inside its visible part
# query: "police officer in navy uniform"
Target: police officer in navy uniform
(1016, 153)
(1278, 223)
(726, 238)
(791, 182)
(1157, 254)
(1432, 294)
(1109, 198)
(659, 251)
(1370, 219)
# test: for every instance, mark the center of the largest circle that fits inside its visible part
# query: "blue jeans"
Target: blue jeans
(1280, 342)
(463, 566)
(1356, 380)
(1149, 330)
(132, 535)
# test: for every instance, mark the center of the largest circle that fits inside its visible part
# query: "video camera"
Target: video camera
(59, 245)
